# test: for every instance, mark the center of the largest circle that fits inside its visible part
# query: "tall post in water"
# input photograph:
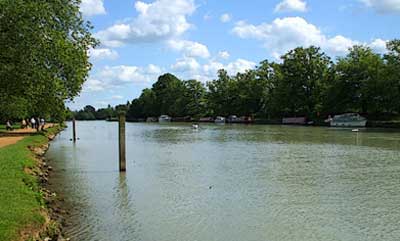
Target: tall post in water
(73, 130)
(122, 150)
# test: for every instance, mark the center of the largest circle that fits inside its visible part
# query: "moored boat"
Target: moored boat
(348, 120)
(294, 121)
(206, 119)
(151, 119)
(219, 120)
(233, 119)
(164, 118)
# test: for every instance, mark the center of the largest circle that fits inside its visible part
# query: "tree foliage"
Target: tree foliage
(43, 57)
(301, 82)
(306, 83)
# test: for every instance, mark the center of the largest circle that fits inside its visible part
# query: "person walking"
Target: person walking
(42, 123)
(37, 121)
(33, 123)
(9, 126)
(23, 124)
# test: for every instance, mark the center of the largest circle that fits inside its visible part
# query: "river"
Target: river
(229, 183)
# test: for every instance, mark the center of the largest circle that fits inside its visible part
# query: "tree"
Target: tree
(301, 81)
(392, 76)
(104, 113)
(135, 110)
(358, 85)
(267, 74)
(89, 109)
(222, 94)
(145, 106)
(194, 98)
(251, 90)
(43, 58)
(168, 92)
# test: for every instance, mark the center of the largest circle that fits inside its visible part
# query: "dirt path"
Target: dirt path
(6, 141)
(9, 140)
(30, 130)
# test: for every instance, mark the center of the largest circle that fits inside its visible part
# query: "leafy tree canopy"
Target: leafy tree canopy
(43, 57)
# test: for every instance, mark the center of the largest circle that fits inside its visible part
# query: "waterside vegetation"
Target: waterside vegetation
(44, 57)
(307, 82)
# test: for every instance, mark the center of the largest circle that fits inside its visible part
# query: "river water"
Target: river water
(229, 183)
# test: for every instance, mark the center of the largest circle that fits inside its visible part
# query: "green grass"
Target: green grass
(3, 127)
(20, 198)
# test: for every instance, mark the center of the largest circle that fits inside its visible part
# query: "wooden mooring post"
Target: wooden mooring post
(122, 149)
(73, 130)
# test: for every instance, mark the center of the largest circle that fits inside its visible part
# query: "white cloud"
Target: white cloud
(291, 6)
(284, 34)
(339, 44)
(239, 66)
(225, 18)
(189, 48)
(111, 77)
(94, 85)
(156, 21)
(223, 54)
(189, 68)
(186, 65)
(209, 70)
(378, 45)
(117, 97)
(383, 6)
(92, 7)
(152, 70)
(125, 74)
(103, 53)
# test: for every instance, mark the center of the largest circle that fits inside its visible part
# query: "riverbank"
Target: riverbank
(389, 124)
(24, 202)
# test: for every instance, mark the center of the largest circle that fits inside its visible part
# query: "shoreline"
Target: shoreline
(55, 212)
(38, 215)
(380, 124)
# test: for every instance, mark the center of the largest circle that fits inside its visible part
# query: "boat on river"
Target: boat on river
(206, 119)
(164, 118)
(348, 120)
(151, 119)
(294, 121)
(220, 120)
(233, 119)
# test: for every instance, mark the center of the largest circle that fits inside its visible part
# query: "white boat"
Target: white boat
(164, 118)
(195, 126)
(348, 120)
(233, 119)
(219, 120)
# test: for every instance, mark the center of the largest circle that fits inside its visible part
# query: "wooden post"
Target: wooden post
(73, 130)
(122, 150)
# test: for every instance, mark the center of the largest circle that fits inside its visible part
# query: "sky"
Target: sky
(193, 39)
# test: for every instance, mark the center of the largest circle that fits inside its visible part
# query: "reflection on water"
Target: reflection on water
(229, 182)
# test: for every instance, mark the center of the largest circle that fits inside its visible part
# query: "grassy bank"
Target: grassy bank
(3, 127)
(21, 202)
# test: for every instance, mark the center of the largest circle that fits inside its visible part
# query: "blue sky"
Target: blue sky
(141, 40)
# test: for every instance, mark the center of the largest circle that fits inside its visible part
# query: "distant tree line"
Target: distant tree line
(90, 113)
(307, 82)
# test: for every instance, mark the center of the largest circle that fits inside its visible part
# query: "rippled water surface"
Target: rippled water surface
(229, 183)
